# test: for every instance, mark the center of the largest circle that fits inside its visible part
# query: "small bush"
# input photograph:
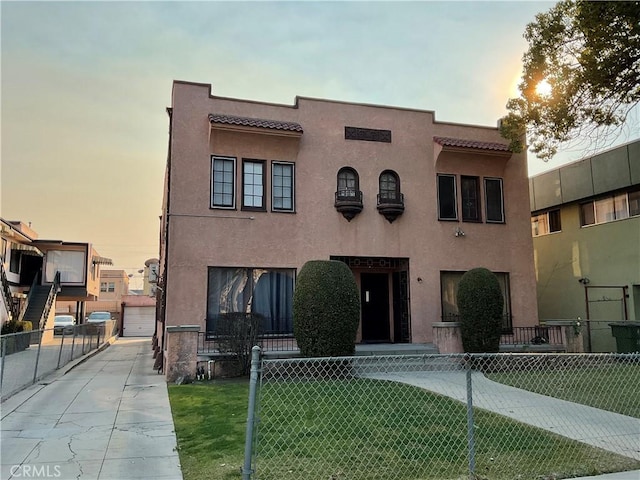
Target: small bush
(14, 326)
(480, 305)
(236, 334)
(326, 309)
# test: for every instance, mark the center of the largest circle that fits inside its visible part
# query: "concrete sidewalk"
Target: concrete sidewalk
(600, 428)
(107, 418)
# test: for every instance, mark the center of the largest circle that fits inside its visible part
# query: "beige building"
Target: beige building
(254, 190)
(113, 285)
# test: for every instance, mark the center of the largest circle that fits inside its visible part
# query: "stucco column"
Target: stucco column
(447, 337)
(182, 352)
(571, 334)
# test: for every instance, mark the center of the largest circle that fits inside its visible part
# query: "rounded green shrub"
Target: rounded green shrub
(326, 309)
(480, 305)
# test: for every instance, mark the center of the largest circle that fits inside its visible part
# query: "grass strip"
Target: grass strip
(365, 430)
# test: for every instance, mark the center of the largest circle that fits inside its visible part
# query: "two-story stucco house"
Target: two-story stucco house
(254, 190)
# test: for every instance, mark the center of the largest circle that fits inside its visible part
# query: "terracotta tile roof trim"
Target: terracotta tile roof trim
(255, 122)
(460, 143)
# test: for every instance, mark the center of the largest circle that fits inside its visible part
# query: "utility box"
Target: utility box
(627, 335)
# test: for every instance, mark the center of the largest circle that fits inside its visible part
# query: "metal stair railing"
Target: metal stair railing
(6, 293)
(34, 284)
(51, 299)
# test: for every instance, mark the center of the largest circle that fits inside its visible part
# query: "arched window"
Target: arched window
(390, 200)
(389, 186)
(348, 183)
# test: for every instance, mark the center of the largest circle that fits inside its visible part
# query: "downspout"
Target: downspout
(163, 296)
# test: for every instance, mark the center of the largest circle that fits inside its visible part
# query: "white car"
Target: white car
(98, 317)
(63, 324)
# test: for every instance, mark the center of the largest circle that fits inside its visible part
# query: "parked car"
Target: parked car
(63, 324)
(97, 317)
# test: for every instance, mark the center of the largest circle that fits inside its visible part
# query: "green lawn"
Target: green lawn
(614, 387)
(364, 429)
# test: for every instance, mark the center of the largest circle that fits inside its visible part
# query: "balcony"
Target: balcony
(348, 203)
(391, 206)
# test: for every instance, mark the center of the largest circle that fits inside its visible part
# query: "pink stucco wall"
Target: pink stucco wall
(200, 236)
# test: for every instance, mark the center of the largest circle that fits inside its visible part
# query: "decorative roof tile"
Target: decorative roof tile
(255, 122)
(461, 143)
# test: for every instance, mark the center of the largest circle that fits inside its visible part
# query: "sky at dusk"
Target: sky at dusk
(85, 86)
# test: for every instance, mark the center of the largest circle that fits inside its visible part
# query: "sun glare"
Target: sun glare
(543, 88)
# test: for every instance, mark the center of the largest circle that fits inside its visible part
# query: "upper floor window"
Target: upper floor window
(470, 199)
(223, 174)
(470, 189)
(447, 204)
(282, 187)
(348, 182)
(493, 200)
(253, 185)
(610, 208)
(545, 223)
(389, 186)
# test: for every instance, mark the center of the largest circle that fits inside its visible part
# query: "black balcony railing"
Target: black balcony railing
(348, 203)
(386, 199)
(209, 342)
(391, 206)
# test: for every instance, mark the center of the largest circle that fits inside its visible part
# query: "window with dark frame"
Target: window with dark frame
(223, 173)
(447, 204)
(14, 261)
(282, 185)
(389, 186)
(348, 183)
(470, 191)
(253, 185)
(610, 208)
(264, 291)
(494, 201)
(545, 223)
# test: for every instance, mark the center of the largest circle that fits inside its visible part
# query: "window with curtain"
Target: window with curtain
(70, 264)
(448, 295)
(265, 291)
(610, 208)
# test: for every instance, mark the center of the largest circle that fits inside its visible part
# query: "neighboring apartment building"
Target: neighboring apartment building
(586, 227)
(32, 264)
(114, 285)
(254, 190)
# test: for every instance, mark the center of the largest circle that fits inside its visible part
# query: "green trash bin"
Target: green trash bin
(627, 336)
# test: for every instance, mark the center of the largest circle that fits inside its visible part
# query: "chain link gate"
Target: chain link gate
(502, 416)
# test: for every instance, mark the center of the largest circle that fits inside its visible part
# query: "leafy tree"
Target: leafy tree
(480, 304)
(326, 309)
(589, 53)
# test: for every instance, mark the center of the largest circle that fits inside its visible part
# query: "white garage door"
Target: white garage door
(139, 321)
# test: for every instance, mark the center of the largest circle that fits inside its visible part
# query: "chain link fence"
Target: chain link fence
(503, 416)
(27, 357)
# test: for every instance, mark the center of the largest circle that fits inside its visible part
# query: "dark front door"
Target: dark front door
(374, 297)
